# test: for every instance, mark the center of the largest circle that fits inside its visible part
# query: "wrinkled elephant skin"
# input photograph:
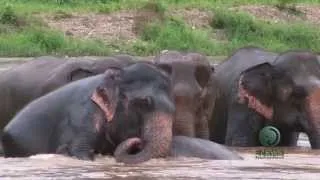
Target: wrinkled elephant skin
(39, 76)
(193, 90)
(225, 74)
(183, 146)
(28, 81)
(121, 112)
(283, 92)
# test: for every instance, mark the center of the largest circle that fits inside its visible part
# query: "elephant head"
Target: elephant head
(76, 69)
(304, 68)
(139, 109)
(191, 75)
(273, 92)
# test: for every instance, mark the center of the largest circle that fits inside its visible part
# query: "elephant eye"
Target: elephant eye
(143, 103)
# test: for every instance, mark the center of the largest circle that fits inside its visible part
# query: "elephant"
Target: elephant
(193, 90)
(184, 146)
(226, 73)
(30, 80)
(281, 92)
(126, 112)
(303, 67)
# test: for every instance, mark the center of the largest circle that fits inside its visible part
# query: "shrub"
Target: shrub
(8, 16)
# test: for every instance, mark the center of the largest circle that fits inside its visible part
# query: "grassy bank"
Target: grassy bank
(114, 5)
(23, 31)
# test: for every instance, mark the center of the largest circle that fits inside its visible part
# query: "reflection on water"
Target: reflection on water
(297, 163)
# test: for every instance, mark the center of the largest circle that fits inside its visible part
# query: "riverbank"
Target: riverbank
(143, 28)
(18, 60)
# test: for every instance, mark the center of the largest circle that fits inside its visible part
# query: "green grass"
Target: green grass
(113, 5)
(21, 34)
(242, 29)
(24, 35)
(174, 34)
(35, 42)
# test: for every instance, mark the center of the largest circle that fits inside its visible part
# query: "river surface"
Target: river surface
(296, 163)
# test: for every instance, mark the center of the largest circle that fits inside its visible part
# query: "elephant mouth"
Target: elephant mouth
(253, 103)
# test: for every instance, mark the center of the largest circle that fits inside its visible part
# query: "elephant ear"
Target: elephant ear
(255, 88)
(106, 95)
(80, 73)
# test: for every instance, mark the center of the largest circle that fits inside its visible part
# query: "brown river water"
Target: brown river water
(296, 163)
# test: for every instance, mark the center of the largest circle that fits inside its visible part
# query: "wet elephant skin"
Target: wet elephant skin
(126, 111)
(193, 90)
(282, 92)
(30, 80)
(225, 74)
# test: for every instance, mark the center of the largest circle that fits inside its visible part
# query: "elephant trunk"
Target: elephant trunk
(183, 123)
(313, 127)
(155, 142)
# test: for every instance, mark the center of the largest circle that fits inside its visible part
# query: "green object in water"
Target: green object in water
(269, 136)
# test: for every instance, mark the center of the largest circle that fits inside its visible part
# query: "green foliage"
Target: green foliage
(4, 28)
(8, 16)
(40, 41)
(174, 34)
(63, 1)
(156, 34)
(155, 6)
(60, 14)
(48, 41)
(284, 3)
(242, 29)
(108, 6)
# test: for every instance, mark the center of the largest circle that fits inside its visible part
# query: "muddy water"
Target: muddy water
(296, 163)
